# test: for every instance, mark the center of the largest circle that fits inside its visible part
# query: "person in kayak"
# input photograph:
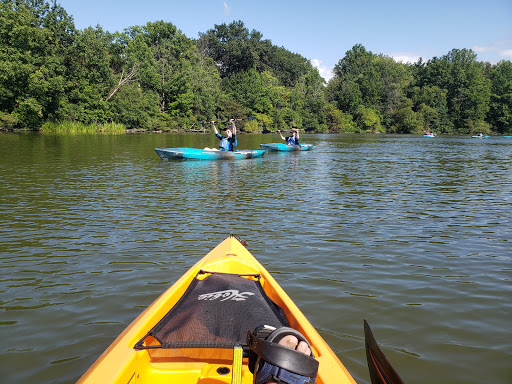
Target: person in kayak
(293, 139)
(229, 142)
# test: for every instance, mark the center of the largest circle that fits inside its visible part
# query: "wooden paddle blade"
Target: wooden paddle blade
(381, 371)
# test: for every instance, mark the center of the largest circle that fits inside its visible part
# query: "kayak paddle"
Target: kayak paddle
(381, 371)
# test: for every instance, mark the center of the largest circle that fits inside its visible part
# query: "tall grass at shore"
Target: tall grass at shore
(76, 127)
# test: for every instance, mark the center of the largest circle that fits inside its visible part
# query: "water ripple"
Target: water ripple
(412, 235)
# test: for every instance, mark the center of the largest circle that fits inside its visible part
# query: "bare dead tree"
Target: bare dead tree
(202, 49)
(122, 81)
(162, 108)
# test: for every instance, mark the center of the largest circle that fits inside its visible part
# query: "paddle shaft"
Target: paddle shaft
(223, 121)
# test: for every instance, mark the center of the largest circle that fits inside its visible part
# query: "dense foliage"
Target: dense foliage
(154, 77)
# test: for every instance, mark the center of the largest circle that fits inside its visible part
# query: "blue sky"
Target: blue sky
(324, 30)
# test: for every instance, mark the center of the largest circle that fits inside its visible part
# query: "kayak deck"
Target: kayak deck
(184, 153)
(122, 363)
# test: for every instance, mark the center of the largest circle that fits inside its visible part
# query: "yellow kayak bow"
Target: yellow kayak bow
(145, 351)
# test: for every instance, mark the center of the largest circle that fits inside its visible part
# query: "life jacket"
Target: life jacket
(290, 140)
(226, 144)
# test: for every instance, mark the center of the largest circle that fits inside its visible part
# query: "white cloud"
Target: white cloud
(506, 53)
(481, 49)
(324, 71)
(227, 10)
(406, 58)
(494, 52)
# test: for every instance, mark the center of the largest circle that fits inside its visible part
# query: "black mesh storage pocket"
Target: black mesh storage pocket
(216, 311)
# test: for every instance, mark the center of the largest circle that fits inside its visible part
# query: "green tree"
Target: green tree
(235, 49)
(91, 76)
(289, 68)
(250, 90)
(395, 79)
(228, 46)
(359, 75)
(468, 89)
(160, 59)
(369, 119)
(35, 44)
(134, 107)
(346, 94)
(431, 103)
(370, 87)
(206, 87)
(500, 114)
(406, 120)
(155, 77)
(338, 121)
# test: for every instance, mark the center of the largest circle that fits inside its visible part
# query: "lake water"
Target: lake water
(413, 234)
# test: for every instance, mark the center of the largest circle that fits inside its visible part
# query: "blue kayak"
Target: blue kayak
(480, 137)
(507, 137)
(204, 154)
(280, 147)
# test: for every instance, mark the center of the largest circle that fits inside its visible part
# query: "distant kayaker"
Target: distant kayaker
(293, 139)
(227, 143)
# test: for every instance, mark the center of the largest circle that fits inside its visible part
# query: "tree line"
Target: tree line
(154, 77)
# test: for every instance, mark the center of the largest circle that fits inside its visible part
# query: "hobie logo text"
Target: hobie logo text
(230, 294)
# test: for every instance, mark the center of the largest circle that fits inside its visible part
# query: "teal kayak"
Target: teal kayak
(480, 137)
(280, 147)
(205, 154)
(507, 137)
